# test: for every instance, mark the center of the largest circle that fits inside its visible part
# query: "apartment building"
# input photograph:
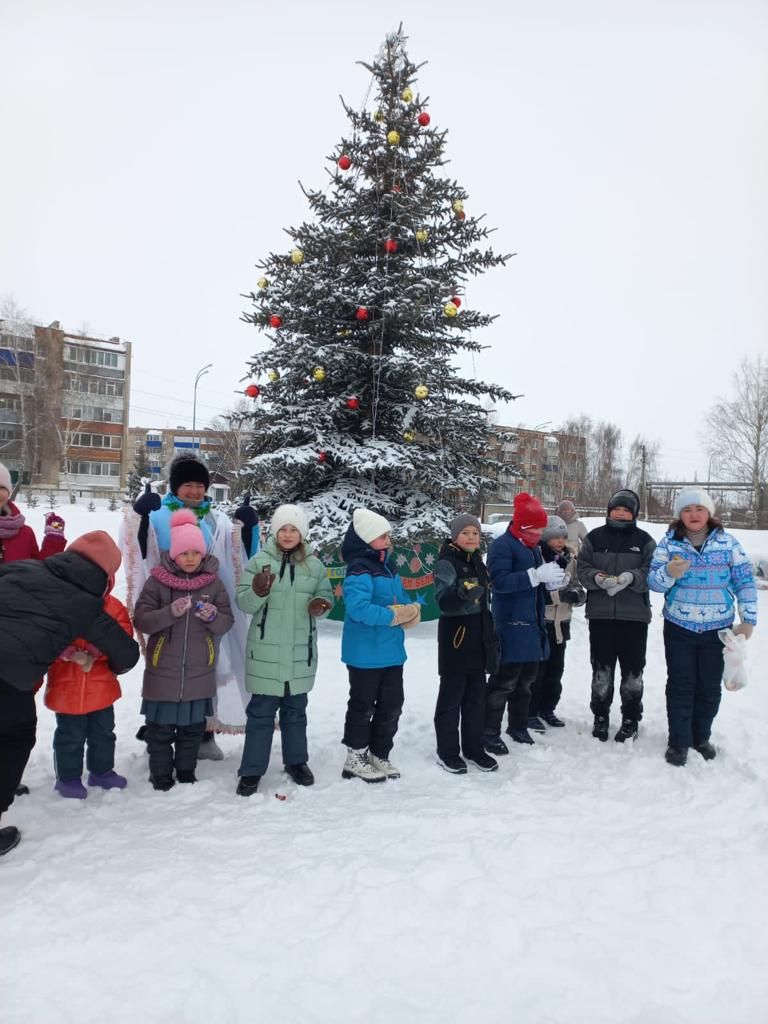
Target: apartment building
(152, 449)
(64, 407)
(550, 464)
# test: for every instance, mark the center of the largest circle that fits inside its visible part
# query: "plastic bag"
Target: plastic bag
(735, 660)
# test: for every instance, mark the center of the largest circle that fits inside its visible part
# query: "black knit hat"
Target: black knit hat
(186, 469)
(625, 499)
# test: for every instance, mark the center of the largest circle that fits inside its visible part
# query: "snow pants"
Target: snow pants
(97, 729)
(373, 710)
(18, 727)
(161, 740)
(612, 640)
(548, 685)
(694, 675)
(260, 730)
(510, 686)
(461, 697)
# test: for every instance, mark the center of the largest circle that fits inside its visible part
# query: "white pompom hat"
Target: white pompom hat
(369, 525)
(5, 479)
(693, 496)
(289, 515)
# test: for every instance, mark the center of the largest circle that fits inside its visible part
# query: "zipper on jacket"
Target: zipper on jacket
(184, 654)
(309, 642)
(263, 623)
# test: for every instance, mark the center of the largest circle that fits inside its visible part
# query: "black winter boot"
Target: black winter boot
(600, 728)
(552, 720)
(520, 735)
(185, 775)
(495, 745)
(21, 790)
(676, 756)
(455, 765)
(300, 774)
(248, 785)
(706, 750)
(535, 724)
(628, 731)
(484, 762)
(9, 837)
(162, 782)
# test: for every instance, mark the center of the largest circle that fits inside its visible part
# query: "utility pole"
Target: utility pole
(643, 497)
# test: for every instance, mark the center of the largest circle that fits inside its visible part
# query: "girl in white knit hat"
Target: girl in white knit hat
(704, 573)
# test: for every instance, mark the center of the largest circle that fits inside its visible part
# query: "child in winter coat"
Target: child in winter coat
(558, 602)
(82, 690)
(703, 571)
(466, 648)
(184, 608)
(518, 575)
(44, 606)
(577, 531)
(285, 588)
(613, 567)
(373, 647)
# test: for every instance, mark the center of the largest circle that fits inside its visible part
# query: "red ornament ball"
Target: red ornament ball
(353, 403)
(424, 119)
(321, 456)
(390, 245)
(345, 162)
(456, 300)
(461, 215)
(275, 321)
(253, 391)
(362, 314)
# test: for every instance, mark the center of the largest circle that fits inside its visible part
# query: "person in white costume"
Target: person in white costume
(145, 535)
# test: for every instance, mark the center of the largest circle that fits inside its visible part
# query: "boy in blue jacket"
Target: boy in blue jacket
(373, 647)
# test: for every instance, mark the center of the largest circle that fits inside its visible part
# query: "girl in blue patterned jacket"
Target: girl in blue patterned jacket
(373, 647)
(704, 572)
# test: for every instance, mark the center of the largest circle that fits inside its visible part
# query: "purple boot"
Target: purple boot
(71, 788)
(107, 780)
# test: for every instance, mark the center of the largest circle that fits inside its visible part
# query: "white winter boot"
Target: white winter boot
(383, 764)
(358, 766)
(209, 750)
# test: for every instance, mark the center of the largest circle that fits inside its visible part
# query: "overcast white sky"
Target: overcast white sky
(151, 151)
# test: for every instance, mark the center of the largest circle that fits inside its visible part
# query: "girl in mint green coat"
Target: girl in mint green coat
(285, 588)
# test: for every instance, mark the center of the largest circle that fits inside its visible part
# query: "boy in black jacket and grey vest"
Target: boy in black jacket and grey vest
(466, 649)
(613, 567)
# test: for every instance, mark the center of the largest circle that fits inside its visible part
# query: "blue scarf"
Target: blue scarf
(161, 520)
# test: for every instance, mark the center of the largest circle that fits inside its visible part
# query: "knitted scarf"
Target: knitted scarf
(161, 520)
(173, 582)
(10, 524)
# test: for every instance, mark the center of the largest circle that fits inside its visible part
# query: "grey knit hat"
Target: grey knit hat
(555, 528)
(460, 522)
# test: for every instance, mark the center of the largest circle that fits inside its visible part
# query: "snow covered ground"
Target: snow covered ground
(581, 883)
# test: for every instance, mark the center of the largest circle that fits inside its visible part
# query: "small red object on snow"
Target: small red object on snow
(424, 119)
(362, 313)
(345, 162)
(275, 321)
(353, 402)
(390, 245)
(280, 796)
(253, 391)
(456, 300)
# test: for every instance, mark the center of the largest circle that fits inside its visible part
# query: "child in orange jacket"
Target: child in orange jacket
(82, 691)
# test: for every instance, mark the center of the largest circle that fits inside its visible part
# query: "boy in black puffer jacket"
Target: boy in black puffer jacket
(44, 606)
(559, 601)
(613, 567)
(466, 649)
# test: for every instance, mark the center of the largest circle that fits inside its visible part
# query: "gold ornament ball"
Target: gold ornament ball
(378, 116)
(297, 257)
(345, 333)
(273, 375)
(407, 95)
(421, 391)
(318, 374)
(458, 206)
(393, 138)
(422, 235)
(408, 436)
(262, 283)
(450, 309)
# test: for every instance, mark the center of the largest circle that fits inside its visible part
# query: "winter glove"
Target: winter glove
(604, 581)
(318, 606)
(247, 516)
(83, 659)
(677, 566)
(472, 592)
(559, 586)
(262, 582)
(744, 629)
(180, 606)
(415, 610)
(548, 572)
(54, 525)
(205, 611)
(147, 502)
(404, 614)
(622, 580)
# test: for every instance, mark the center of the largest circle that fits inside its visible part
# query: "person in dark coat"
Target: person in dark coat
(559, 602)
(44, 606)
(466, 648)
(518, 576)
(613, 567)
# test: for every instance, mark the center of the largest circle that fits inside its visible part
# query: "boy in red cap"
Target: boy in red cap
(44, 606)
(518, 578)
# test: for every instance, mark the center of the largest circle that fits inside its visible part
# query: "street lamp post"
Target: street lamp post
(200, 373)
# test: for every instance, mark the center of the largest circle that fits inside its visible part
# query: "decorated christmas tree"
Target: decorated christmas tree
(357, 398)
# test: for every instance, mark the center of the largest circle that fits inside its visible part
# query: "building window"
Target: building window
(93, 468)
(91, 356)
(10, 402)
(81, 440)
